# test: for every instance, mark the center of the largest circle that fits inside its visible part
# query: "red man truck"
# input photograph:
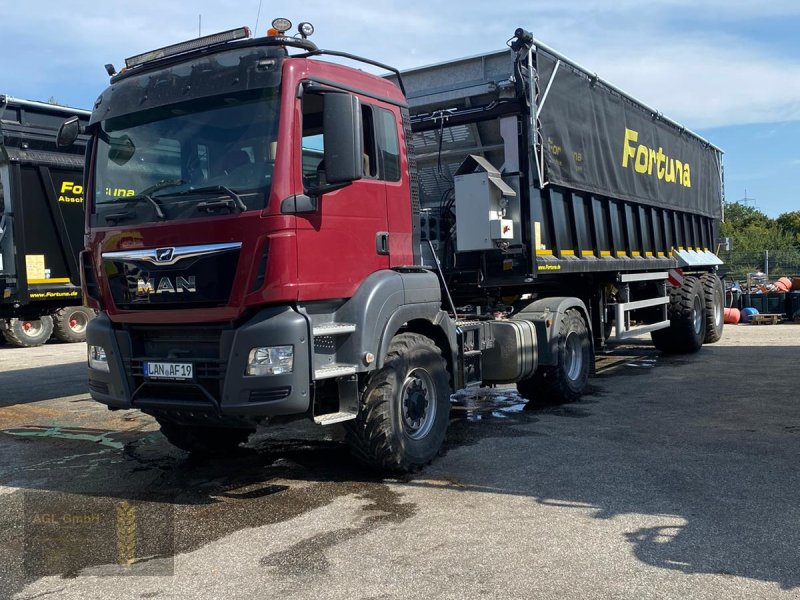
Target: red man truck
(273, 235)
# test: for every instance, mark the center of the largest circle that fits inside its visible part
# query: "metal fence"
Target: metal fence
(774, 264)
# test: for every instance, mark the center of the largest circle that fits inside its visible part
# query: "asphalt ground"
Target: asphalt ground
(677, 477)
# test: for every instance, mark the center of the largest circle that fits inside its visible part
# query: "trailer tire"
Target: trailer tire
(404, 409)
(687, 315)
(24, 333)
(69, 323)
(714, 293)
(205, 441)
(566, 381)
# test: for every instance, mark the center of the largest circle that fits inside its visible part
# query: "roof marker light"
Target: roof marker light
(201, 42)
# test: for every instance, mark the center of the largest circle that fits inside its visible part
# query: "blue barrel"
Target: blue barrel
(748, 314)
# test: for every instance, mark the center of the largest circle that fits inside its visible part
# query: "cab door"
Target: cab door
(344, 239)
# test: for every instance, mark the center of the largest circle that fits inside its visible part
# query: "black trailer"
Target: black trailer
(591, 194)
(41, 225)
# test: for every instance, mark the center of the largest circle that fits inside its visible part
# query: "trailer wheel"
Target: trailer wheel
(24, 333)
(405, 408)
(687, 315)
(714, 294)
(567, 381)
(204, 441)
(69, 324)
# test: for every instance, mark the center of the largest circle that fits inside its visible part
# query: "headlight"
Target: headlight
(270, 360)
(98, 359)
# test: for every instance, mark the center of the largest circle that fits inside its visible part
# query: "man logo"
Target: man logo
(164, 254)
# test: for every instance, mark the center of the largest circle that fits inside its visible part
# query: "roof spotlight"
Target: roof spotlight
(305, 29)
(282, 25)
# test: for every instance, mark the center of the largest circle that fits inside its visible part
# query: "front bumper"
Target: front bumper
(220, 388)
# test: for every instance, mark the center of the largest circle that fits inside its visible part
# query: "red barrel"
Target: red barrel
(732, 316)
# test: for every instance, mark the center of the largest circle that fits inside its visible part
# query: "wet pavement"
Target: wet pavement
(676, 477)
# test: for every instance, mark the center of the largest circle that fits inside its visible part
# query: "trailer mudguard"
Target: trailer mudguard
(546, 314)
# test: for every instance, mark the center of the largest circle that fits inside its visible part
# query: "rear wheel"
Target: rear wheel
(567, 381)
(24, 333)
(714, 295)
(204, 441)
(405, 407)
(69, 324)
(687, 315)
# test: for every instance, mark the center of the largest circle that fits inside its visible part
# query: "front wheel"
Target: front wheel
(405, 407)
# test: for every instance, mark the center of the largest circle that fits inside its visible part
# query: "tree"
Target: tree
(790, 223)
(739, 216)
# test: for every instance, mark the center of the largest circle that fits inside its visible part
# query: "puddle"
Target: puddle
(100, 437)
(486, 403)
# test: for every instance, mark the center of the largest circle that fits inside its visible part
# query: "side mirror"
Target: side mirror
(121, 149)
(344, 145)
(68, 132)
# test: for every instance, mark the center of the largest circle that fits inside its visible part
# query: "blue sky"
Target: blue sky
(728, 69)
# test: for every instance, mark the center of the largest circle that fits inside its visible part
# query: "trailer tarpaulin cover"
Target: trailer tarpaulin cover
(597, 141)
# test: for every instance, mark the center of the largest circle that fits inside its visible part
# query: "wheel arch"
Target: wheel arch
(547, 314)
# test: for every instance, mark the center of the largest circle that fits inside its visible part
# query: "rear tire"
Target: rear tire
(405, 408)
(687, 315)
(24, 333)
(714, 294)
(205, 441)
(568, 380)
(69, 324)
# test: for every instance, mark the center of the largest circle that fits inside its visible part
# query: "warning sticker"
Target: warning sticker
(34, 263)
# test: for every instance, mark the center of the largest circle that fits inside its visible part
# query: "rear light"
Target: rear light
(89, 286)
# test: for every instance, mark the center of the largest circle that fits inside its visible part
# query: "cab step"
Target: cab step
(331, 418)
(333, 328)
(334, 370)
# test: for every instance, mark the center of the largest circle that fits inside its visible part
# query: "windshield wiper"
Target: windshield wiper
(164, 183)
(233, 198)
(147, 198)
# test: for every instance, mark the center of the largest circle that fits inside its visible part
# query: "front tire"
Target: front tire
(204, 441)
(405, 408)
(24, 333)
(566, 381)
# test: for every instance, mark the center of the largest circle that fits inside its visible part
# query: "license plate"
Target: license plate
(165, 370)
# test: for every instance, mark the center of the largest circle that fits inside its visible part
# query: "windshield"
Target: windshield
(196, 159)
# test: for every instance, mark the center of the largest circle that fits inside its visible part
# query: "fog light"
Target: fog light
(270, 360)
(98, 359)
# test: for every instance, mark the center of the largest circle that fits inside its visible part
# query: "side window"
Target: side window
(313, 142)
(370, 151)
(388, 145)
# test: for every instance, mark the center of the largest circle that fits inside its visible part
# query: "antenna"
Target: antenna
(200, 25)
(258, 16)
